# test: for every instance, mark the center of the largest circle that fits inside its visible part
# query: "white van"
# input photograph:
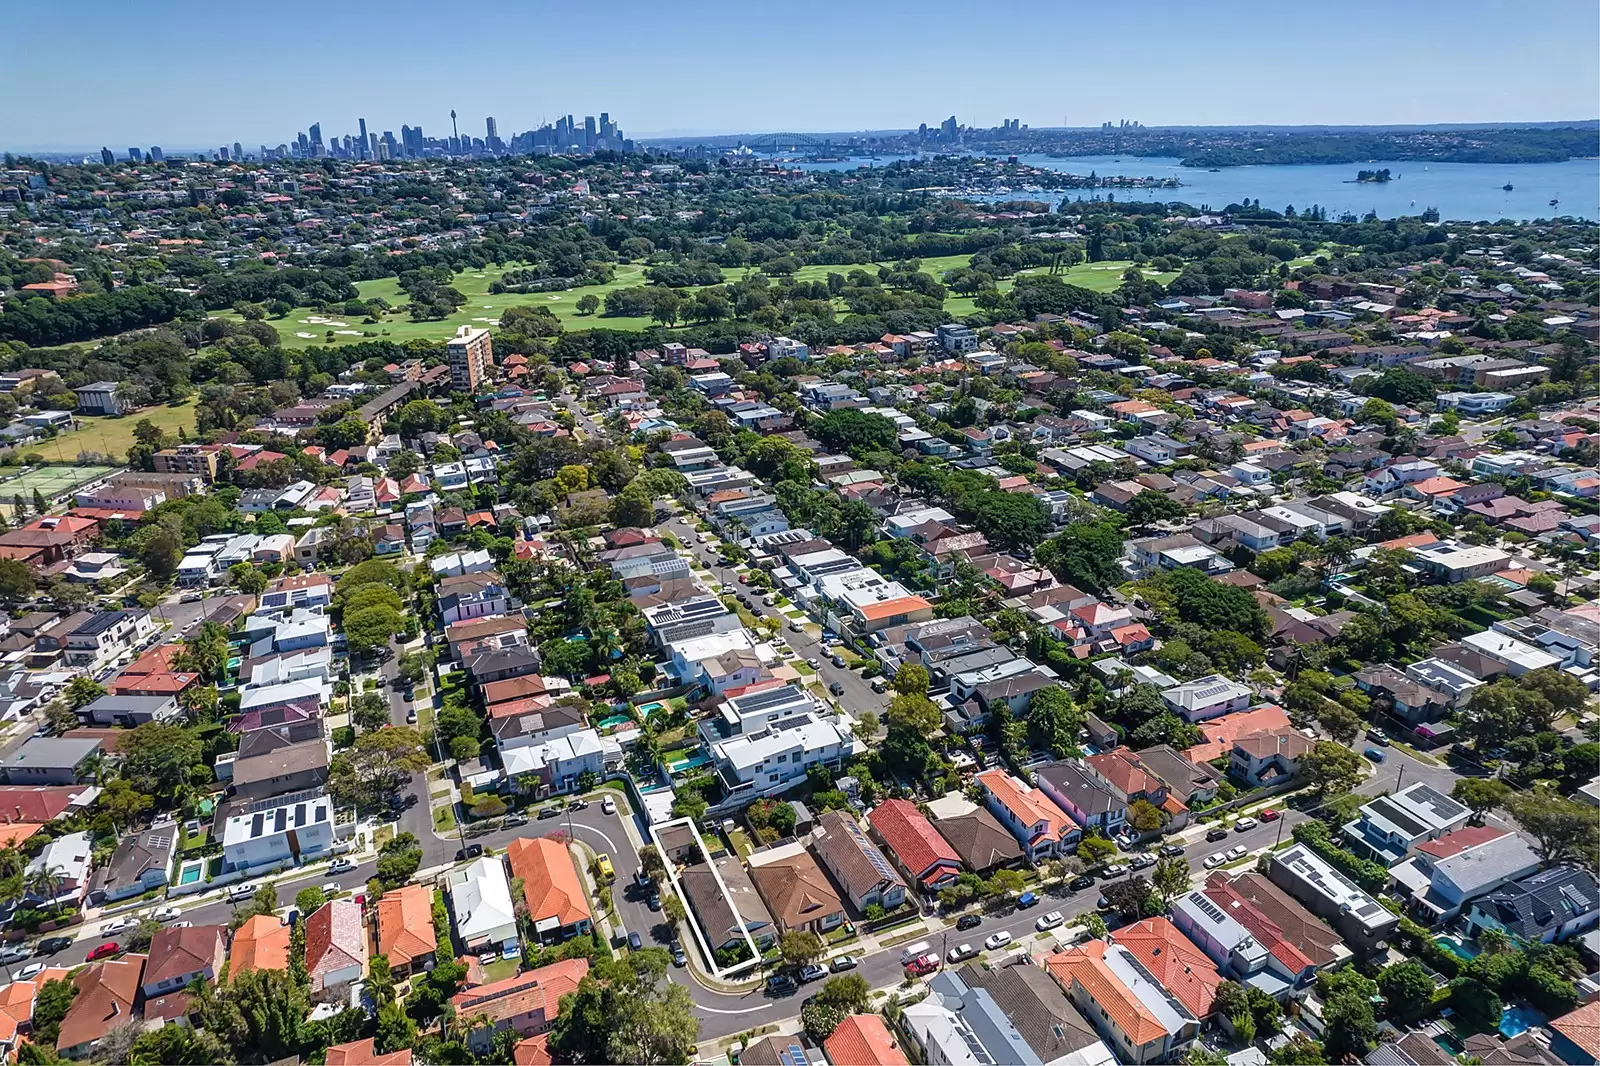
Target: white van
(242, 892)
(913, 951)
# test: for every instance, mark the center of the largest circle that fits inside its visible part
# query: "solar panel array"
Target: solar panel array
(873, 855)
(1442, 806)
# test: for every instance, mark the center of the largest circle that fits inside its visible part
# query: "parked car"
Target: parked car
(341, 866)
(608, 806)
(1116, 869)
(960, 952)
(1141, 861)
(634, 942)
(797, 627)
(121, 925)
(1270, 815)
(1375, 755)
(838, 660)
(411, 717)
(1080, 882)
(110, 947)
(836, 688)
(969, 921)
(1026, 900)
(654, 902)
(781, 984)
(1214, 835)
(578, 804)
(1238, 852)
(1170, 850)
(1049, 921)
(602, 863)
(550, 812)
(52, 944)
(471, 851)
(1378, 736)
(645, 882)
(1214, 861)
(812, 973)
(1244, 825)
(239, 893)
(878, 686)
(999, 939)
(841, 963)
(14, 953)
(814, 662)
(331, 888)
(678, 957)
(514, 819)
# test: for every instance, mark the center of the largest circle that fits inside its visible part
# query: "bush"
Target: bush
(1372, 876)
(343, 737)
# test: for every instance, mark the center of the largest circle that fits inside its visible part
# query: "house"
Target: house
(1390, 826)
(1549, 907)
(1365, 924)
(179, 957)
(863, 1040)
(527, 1003)
(982, 842)
(1443, 875)
(726, 904)
(278, 831)
(336, 948)
(858, 866)
(68, 860)
(1087, 799)
(913, 843)
(556, 765)
(1169, 957)
(1299, 945)
(406, 936)
(1189, 783)
(480, 896)
(104, 635)
(1575, 1036)
(141, 862)
(1042, 828)
(364, 1053)
(1134, 1014)
(1264, 759)
(106, 995)
(558, 907)
(1048, 1022)
(124, 710)
(275, 761)
(261, 943)
(1220, 733)
(797, 893)
(100, 398)
(1207, 697)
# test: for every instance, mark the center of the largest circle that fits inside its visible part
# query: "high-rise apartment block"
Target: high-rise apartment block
(471, 355)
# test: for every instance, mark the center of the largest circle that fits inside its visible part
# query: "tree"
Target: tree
(157, 757)
(1151, 506)
(624, 1011)
(247, 579)
(1347, 1013)
(174, 1045)
(82, 691)
(800, 947)
(1480, 795)
(371, 711)
(259, 1014)
(917, 715)
(1095, 849)
(850, 991)
(651, 862)
(396, 1031)
(1170, 878)
(853, 431)
(50, 1006)
(399, 858)
(1301, 1050)
(16, 580)
(1143, 816)
(1129, 897)
(1330, 769)
(376, 767)
(911, 680)
(370, 629)
(588, 304)
(1563, 830)
(820, 1019)
(309, 900)
(1475, 1004)
(143, 933)
(1086, 554)
(1408, 991)
(1054, 721)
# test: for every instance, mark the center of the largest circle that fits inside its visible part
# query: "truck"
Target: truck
(913, 951)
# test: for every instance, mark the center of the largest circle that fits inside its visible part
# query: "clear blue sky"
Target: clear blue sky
(182, 73)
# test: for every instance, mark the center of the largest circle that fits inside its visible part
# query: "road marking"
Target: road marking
(599, 833)
(730, 995)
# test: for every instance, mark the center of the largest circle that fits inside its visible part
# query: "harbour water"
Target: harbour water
(1460, 191)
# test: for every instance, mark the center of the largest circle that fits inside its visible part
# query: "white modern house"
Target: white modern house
(1207, 697)
(279, 830)
(480, 896)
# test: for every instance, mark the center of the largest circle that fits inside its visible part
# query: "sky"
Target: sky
(185, 74)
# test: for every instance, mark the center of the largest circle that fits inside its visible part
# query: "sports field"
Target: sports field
(113, 436)
(305, 326)
(52, 482)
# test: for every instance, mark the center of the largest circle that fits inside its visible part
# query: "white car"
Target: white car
(814, 663)
(121, 925)
(1238, 852)
(796, 627)
(1049, 921)
(963, 951)
(997, 940)
(165, 914)
(30, 971)
(339, 866)
(1244, 824)
(1213, 861)
(608, 806)
(725, 588)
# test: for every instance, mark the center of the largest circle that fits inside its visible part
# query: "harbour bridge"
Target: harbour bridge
(774, 143)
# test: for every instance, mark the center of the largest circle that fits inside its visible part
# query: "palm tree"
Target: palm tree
(44, 883)
(1494, 941)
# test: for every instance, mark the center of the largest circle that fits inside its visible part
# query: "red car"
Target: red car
(744, 579)
(1270, 815)
(923, 965)
(108, 948)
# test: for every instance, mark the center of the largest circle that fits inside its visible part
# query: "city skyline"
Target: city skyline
(106, 92)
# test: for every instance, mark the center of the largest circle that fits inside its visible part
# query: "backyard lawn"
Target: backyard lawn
(113, 436)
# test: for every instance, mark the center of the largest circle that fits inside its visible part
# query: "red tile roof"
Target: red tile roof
(1028, 804)
(261, 943)
(19, 803)
(549, 880)
(1123, 770)
(1582, 1027)
(365, 1053)
(1086, 965)
(405, 924)
(1468, 836)
(106, 994)
(1222, 732)
(537, 992)
(1169, 956)
(912, 837)
(863, 1040)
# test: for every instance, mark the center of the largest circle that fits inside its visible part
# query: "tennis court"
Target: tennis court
(51, 481)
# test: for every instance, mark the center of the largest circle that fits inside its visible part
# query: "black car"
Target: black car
(635, 942)
(654, 902)
(969, 921)
(780, 984)
(1170, 850)
(52, 944)
(550, 812)
(1217, 834)
(1081, 881)
(471, 851)
(836, 688)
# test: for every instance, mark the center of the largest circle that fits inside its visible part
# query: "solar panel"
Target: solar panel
(1210, 909)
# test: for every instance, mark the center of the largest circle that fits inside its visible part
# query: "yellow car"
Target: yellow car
(603, 864)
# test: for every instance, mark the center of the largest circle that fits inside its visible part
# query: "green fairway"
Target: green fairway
(305, 326)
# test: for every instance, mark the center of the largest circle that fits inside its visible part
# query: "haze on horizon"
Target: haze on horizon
(187, 74)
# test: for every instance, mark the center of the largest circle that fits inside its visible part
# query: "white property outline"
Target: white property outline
(688, 907)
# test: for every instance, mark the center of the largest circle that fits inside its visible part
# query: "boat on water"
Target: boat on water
(1554, 202)
(1506, 186)
(1214, 170)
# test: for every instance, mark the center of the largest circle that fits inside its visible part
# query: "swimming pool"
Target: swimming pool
(647, 709)
(1519, 1018)
(688, 762)
(606, 724)
(1457, 947)
(190, 874)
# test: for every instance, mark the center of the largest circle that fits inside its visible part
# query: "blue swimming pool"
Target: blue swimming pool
(1457, 947)
(1519, 1018)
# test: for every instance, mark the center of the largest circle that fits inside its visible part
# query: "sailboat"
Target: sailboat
(1506, 186)
(1555, 201)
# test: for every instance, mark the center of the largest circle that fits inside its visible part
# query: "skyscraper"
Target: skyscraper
(106, 157)
(589, 131)
(364, 148)
(948, 128)
(155, 153)
(238, 150)
(316, 134)
(471, 354)
(134, 155)
(489, 132)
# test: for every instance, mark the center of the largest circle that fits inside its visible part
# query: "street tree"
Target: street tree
(1330, 769)
(1480, 795)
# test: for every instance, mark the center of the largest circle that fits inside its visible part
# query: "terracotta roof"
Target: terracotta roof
(1124, 772)
(365, 1053)
(1085, 965)
(896, 606)
(1285, 928)
(1222, 732)
(405, 924)
(176, 952)
(863, 1040)
(16, 1002)
(1582, 1027)
(334, 937)
(912, 837)
(1028, 804)
(1468, 836)
(106, 994)
(19, 803)
(549, 880)
(1182, 968)
(796, 890)
(534, 1051)
(261, 943)
(537, 992)
(1290, 743)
